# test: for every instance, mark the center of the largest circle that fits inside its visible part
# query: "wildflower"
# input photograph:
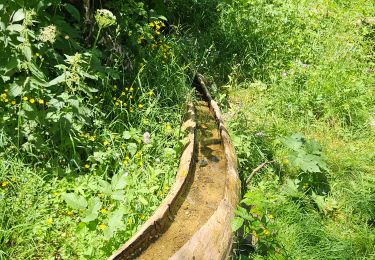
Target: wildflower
(130, 220)
(41, 101)
(32, 101)
(131, 97)
(69, 213)
(126, 89)
(146, 137)
(115, 87)
(6, 100)
(102, 226)
(48, 34)
(123, 93)
(4, 184)
(66, 37)
(266, 232)
(103, 211)
(168, 127)
(114, 98)
(104, 18)
(13, 102)
(285, 161)
(49, 221)
(117, 103)
(143, 217)
(37, 54)
(13, 179)
(150, 93)
(105, 142)
(270, 216)
(140, 105)
(131, 89)
(87, 166)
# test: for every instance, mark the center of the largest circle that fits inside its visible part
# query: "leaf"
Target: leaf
(74, 201)
(58, 80)
(36, 71)
(115, 219)
(105, 187)
(92, 211)
(118, 181)
(19, 15)
(15, 90)
(126, 135)
(27, 52)
(73, 11)
(118, 195)
(143, 200)
(15, 27)
(132, 148)
(236, 223)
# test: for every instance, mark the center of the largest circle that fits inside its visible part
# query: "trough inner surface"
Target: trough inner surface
(206, 190)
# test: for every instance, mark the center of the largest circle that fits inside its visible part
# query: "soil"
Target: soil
(206, 189)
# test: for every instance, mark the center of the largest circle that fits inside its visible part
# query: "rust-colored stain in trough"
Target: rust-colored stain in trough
(204, 193)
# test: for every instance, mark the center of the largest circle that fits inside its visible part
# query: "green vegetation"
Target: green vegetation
(91, 101)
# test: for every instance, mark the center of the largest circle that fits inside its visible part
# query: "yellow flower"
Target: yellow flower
(4, 184)
(131, 110)
(285, 161)
(13, 179)
(168, 127)
(49, 221)
(87, 166)
(117, 104)
(32, 101)
(123, 93)
(130, 220)
(143, 216)
(102, 226)
(103, 211)
(270, 216)
(131, 89)
(37, 54)
(105, 143)
(41, 101)
(266, 232)
(6, 100)
(13, 102)
(114, 98)
(140, 105)
(115, 87)
(101, 195)
(150, 93)
(126, 89)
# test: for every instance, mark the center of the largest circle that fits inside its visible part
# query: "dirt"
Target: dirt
(206, 189)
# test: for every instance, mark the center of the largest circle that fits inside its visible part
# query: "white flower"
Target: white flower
(48, 34)
(104, 18)
(146, 137)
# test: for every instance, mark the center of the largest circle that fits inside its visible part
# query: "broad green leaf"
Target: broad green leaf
(15, 28)
(92, 212)
(115, 220)
(132, 148)
(118, 194)
(108, 233)
(36, 71)
(105, 187)
(74, 201)
(143, 200)
(58, 80)
(236, 223)
(15, 90)
(19, 15)
(118, 181)
(27, 52)
(126, 135)
(73, 11)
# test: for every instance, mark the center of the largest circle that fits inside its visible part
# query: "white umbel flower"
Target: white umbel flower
(48, 34)
(104, 18)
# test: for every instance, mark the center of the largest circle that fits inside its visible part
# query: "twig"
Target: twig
(257, 169)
